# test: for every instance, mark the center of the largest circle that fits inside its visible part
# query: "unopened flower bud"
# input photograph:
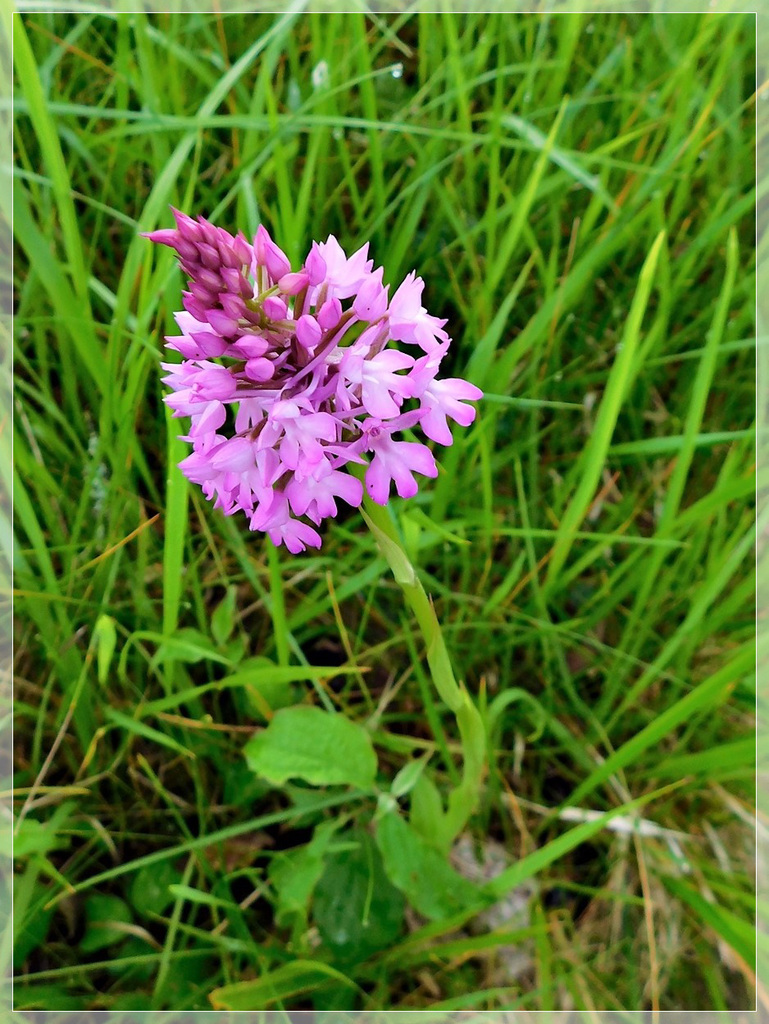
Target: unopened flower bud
(292, 284)
(260, 369)
(308, 331)
(269, 255)
(315, 266)
(330, 313)
(221, 323)
(275, 308)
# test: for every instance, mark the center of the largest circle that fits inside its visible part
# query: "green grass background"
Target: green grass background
(578, 193)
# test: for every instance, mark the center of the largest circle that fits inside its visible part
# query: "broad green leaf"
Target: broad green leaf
(306, 743)
(102, 913)
(421, 872)
(295, 873)
(223, 618)
(427, 816)
(357, 909)
(149, 891)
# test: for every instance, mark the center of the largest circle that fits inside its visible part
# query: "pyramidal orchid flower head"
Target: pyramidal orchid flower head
(287, 379)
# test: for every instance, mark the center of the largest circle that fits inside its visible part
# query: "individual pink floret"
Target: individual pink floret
(395, 462)
(408, 319)
(382, 389)
(342, 276)
(315, 494)
(439, 399)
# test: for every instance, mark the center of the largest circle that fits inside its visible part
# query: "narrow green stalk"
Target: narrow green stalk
(277, 606)
(463, 800)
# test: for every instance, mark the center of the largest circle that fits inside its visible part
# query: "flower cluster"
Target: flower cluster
(286, 378)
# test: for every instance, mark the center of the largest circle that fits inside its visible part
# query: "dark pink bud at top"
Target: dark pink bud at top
(221, 323)
(164, 236)
(236, 282)
(207, 278)
(194, 306)
(171, 237)
(188, 228)
(235, 252)
(232, 305)
(210, 234)
(209, 256)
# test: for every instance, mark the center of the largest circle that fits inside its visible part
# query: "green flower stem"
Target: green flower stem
(464, 799)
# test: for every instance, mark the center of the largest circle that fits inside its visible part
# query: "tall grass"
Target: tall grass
(577, 192)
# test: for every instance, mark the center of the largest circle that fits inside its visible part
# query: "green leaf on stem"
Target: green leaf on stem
(295, 873)
(357, 909)
(396, 557)
(421, 871)
(314, 745)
